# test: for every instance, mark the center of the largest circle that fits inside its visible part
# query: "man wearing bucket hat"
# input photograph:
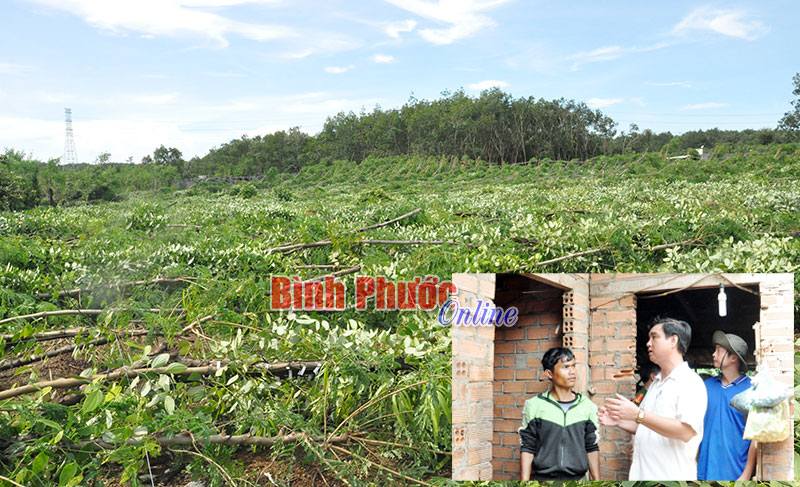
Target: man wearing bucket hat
(724, 455)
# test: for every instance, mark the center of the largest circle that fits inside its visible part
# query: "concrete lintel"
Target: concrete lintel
(670, 282)
(578, 282)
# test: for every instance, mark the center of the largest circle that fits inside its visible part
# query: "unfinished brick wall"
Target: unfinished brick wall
(774, 333)
(612, 358)
(518, 369)
(473, 353)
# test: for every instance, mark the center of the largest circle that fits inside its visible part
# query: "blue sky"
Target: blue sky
(194, 74)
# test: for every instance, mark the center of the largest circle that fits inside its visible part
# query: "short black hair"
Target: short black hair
(552, 356)
(679, 328)
(646, 369)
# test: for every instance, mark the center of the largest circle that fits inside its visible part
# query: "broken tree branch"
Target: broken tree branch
(231, 440)
(82, 312)
(124, 285)
(60, 351)
(394, 472)
(387, 223)
(570, 256)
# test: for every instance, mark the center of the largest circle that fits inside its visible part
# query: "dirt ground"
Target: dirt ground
(53, 368)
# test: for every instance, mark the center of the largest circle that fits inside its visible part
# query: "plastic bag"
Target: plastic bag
(741, 402)
(767, 392)
(768, 424)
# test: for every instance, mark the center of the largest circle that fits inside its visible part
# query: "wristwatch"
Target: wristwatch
(640, 416)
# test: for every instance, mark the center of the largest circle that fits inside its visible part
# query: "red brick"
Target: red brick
(627, 331)
(627, 360)
(505, 426)
(538, 332)
(486, 332)
(459, 391)
(604, 303)
(504, 400)
(500, 477)
(480, 454)
(501, 452)
(466, 282)
(620, 316)
(498, 361)
(526, 374)
(503, 348)
(497, 465)
(510, 439)
(620, 345)
(628, 301)
(601, 359)
(467, 348)
(778, 460)
(503, 374)
(497, 413)
(528, 347)
(536, 387)
(497, 387)
(512, 467)
(458, 456)
(515, 334)
(480, 373)
(459, 415)
(602, 331)
(550, 319)
(618, 464)
(486, 288)
(513, 387)
(476, 392)
(496, 438)
(604, 387)
(512, 413)
(534, 362)
(526, 320)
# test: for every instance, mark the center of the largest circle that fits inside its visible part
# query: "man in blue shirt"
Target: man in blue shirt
(724, 455)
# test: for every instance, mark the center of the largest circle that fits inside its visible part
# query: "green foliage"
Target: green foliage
(283, 194)
(741, 214)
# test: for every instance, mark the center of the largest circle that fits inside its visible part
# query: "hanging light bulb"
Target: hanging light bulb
(723, 301)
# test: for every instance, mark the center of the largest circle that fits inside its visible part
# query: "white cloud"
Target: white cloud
(296, 54)
(729, 22)
(462, 16)
(339, 69)
(155, 99)
(175, 18)
(222, 74)
(485, 85)
(383, 59)
(602, 102)
(600, 54)
(393, 29)
(14, 69)
(609, 53)
(135, 130)
(680, 84)
(703, 106)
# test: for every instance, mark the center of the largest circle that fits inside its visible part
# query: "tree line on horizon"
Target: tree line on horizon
(493, 127)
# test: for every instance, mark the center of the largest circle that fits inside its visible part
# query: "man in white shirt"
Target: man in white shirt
(668, 427)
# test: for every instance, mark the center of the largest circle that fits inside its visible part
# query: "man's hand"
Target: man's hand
(606, 419)
(621, 408)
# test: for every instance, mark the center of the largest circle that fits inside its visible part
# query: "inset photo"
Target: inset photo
(622, 376)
